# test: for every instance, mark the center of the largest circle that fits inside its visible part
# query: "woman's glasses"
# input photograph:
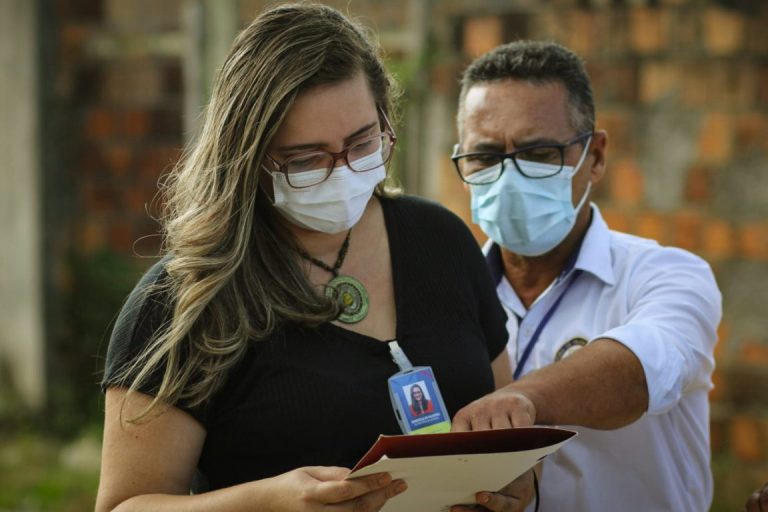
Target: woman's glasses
(314, 167)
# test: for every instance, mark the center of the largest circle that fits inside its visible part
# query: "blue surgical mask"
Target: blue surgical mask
(527, 216)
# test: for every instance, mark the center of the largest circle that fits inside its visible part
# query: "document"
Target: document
(449, 468)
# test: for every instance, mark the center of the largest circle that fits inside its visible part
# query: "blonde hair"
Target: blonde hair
(232, 272)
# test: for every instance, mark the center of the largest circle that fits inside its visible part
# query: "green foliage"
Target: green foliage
(100, 283)
(35, 479)
(734, 482)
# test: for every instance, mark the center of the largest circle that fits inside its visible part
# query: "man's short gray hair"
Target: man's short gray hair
(536, 62)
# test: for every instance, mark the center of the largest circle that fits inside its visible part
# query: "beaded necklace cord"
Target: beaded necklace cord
(350, 293)
(339, 258)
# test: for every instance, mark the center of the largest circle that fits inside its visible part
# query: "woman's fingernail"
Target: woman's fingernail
(383, 479)
(400, 487)
(483, 498)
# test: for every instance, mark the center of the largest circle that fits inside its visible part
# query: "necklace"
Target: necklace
(348, 291)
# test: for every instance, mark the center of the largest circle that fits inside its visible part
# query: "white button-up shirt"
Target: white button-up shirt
(664, 305)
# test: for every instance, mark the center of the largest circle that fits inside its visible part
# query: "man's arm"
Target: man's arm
(662, 350)
(601, 386)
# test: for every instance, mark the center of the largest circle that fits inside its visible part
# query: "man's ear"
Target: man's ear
(597, 151)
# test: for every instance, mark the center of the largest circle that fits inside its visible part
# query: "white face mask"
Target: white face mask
(334, 205)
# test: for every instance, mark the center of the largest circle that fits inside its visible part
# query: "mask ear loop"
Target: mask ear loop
(584, 197)
(577, 168)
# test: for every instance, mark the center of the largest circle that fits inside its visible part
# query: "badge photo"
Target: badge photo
(417, 402)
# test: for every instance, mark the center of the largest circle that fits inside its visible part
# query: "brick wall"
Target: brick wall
(681, 87)
(122, 90)
(113, 112)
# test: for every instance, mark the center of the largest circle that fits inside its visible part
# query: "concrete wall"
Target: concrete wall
(21, 317)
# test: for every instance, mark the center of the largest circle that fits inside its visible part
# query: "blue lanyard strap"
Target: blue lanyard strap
(542, 324)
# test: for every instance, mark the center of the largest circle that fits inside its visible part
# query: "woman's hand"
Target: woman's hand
(513, 497)
(149, 466)
(324, 488)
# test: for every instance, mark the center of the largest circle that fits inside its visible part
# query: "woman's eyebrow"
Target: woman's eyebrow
(361, 131)
(319, 145)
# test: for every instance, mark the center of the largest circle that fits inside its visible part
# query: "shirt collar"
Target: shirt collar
(594, 253)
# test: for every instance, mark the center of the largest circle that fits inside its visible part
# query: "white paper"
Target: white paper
(437, 482)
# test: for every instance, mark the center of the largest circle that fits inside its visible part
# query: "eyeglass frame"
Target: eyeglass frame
(343, 154)
(561, 147)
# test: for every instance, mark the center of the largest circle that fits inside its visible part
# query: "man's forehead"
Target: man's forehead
(520, 95)
(516, 108)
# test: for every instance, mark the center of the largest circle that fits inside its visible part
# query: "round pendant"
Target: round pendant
(352, 296)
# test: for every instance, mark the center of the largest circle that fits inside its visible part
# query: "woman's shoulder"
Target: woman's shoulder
(405, 201)
(149, 291)
(423, 212)
(144, 311)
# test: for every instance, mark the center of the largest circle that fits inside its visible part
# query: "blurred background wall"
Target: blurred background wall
(99, 96)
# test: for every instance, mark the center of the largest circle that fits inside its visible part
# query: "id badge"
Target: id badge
(417, 402)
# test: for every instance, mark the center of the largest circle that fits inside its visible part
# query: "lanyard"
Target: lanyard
(542, 324)
(399, 357)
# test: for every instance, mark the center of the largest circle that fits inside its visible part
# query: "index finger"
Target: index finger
(462, 422)
(460, 426)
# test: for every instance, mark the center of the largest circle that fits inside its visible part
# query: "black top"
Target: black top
(319, 396)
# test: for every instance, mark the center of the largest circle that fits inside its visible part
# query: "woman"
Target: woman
(252, 357)
(419, 403)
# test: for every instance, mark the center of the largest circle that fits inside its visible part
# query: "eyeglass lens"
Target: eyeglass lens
(356, 156)
(539, 162)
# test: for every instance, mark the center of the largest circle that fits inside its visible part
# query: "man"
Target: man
(609, 334)
(758, 501)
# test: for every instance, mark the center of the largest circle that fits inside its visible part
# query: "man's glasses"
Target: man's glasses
(552, 156)
(359, 156)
